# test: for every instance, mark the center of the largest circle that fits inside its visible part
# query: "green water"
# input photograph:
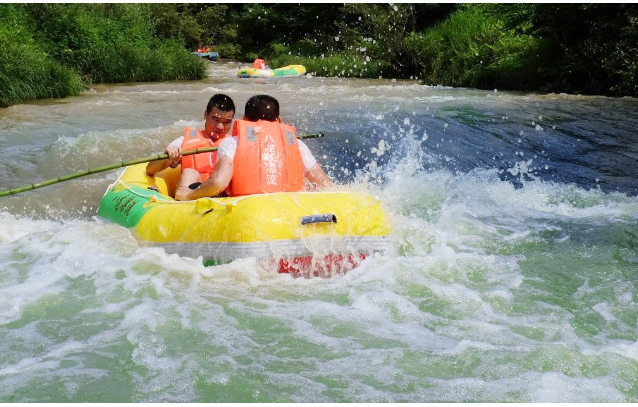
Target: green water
(498, 291)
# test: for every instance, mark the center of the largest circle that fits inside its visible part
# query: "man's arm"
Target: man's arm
(318, 178)
(188, 177)
(173, 160)
(313, 172)
(217, 182)
(154, 167)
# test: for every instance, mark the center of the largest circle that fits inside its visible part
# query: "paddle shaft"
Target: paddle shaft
(114, 166)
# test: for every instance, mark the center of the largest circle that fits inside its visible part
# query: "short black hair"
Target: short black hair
(222, 102)
(262, 107)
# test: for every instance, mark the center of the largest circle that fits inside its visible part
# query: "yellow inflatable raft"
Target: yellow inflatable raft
(304, 233)
(290, 70)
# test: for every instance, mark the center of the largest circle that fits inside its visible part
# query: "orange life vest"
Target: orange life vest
(204, 163)
(268, 159)
(259, 64)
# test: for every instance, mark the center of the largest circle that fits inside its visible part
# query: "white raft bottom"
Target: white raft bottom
(300, 257)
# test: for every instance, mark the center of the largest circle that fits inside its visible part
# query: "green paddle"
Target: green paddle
(114, 166)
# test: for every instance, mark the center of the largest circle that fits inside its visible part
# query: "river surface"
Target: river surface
(515, 279)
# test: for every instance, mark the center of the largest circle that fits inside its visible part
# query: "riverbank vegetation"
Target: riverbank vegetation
(570, 48)
(56, 50)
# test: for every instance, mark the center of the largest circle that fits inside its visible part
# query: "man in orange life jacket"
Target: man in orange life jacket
(259, 63)
(198, 168)
(264, 155)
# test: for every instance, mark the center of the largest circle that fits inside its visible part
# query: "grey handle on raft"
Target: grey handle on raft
(322, 218)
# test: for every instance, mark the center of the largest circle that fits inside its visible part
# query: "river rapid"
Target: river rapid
(515, 221)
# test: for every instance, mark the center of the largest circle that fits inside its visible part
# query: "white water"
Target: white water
(509, 283)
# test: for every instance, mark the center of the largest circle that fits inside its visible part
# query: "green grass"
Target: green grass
(57, 50)
(26, 71)
(471, 49)
(342, 64)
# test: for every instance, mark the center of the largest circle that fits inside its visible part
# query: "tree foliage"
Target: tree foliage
(26, 71)
(589, 48)
(56, 50)
(575, 48)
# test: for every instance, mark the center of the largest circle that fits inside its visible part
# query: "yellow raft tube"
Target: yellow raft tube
(290, 70)
(304, 233)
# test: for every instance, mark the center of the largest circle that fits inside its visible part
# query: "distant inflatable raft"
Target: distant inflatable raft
(290, 70)
(212, 56)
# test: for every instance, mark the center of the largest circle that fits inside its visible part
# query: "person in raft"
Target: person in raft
(197, 168)
(263, 156)
(259, 63)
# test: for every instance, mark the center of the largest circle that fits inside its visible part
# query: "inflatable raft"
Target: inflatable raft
(303, 233)
(212, 56)
(290, 70)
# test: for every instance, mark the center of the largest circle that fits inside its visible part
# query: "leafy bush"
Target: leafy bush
(449, 51)
(305, 48)
(107, 49)
(56, 50)
(226, 50)
(473, 49)
(26, 71)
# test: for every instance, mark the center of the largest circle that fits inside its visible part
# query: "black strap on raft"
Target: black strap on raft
(322, 218)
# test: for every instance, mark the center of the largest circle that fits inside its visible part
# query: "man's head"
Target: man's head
(218, 115)
(222, 102)
(261, 107)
